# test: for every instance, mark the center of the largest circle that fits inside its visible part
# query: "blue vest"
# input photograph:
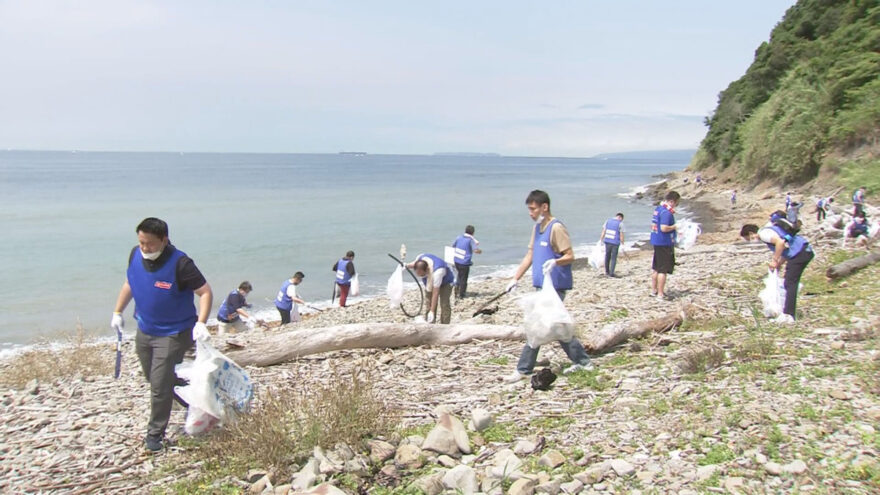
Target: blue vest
(859, 228)
(342, 275)
(857, 198)
(161, 308)
(448, 278)
(223, 312)
(543, 251)
(796, 243)
(612, 231)
(658, 237)
(464, 250)
(282, 300)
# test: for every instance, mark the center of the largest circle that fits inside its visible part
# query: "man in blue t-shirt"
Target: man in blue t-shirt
(663, 233)
(232, 310)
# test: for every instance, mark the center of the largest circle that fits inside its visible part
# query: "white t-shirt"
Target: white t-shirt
(768, 235)
(291, 293)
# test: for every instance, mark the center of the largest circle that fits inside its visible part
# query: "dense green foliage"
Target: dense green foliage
(812, 90)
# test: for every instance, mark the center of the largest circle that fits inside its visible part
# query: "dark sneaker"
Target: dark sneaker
(153, 445)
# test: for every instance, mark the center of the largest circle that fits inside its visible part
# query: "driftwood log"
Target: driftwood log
(849, 267)
(617, 333)
(289, 345)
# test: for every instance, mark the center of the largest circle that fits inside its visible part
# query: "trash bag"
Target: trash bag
(874, 229)
(355, 289)
(597, 255)
(543, 379)
(395, 287)
(217, 388)
(546, 318)
(687, 234)
(773, 295)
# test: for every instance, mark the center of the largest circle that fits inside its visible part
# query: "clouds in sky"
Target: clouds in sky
(564, 78)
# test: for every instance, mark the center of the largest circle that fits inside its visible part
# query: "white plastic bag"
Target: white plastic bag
(395, 288)
(874, 229)
(216, 387)
(773, 295)
(355, 286)
(597, 255)
(546, 318)
(687, 234)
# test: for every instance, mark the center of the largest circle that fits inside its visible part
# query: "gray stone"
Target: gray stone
(431, 484)
(773, 468)
(260, 485)
(622, 467)
(461, 478)
(442, 441)
(552, 459)
(795, 467)
(254, 475)
(282, 490)
(549, 487)
(734, 484)
(524, 447)
(326, 489)
(522, 486)
(409, 456)
(573, 486)
(491, 486)
(706, 472)
(305, 478)
(446, 461)
(32, 387)
(380, 451)
(593, 474)
(481, 419)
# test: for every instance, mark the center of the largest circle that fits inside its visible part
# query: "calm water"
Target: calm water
(69, 219)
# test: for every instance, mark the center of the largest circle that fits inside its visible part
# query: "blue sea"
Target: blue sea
(69, 220)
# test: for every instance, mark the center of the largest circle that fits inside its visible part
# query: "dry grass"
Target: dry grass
(288, 422)
(702, 359)
(77, 354)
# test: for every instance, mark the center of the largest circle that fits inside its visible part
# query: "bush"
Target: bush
(702, 359)
(78, 354)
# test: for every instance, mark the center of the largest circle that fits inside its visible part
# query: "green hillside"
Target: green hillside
(809, 102)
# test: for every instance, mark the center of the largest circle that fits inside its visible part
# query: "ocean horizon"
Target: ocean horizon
(262, 217)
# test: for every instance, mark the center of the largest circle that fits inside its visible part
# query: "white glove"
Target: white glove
(117, 323)
(200, 331)
(430, 318)
(511, 285)
(548, 265)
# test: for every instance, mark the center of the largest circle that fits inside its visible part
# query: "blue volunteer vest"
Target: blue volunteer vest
(161, 308)
(448, 278)
(658, 237)
(543, 251)
(342, 275)
(612, 231)
(282, 300)
(857, 198)
(859, 228)
(464, 250)
(223, 312)
(796, 243)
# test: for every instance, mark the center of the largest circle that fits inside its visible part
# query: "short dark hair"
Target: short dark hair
(299, 275)
(154, 226)
(672, 196)
(245, 286)
(747, 229)
(420, 265)
(349, 254)
(469, 230)
(538, 196)
(619, 214)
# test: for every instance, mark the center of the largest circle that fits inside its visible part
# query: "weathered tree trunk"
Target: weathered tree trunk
(289, 345)
(616, 333)
(850, 266)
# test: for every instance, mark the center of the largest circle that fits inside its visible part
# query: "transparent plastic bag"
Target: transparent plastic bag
(597, 255)
(687, 234)
(395, 288)
(355, 289)
(546, 319)
(773, 294)
(217, 387)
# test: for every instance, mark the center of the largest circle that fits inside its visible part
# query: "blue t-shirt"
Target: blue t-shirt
(662, 216)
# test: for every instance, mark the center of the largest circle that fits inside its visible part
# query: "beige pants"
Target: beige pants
(234, 326)
(445, 315)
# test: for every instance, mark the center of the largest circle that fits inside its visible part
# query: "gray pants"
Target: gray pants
(158, 356)
(573, 349)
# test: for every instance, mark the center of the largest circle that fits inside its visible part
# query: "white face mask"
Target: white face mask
(151, 256)
(539, 219)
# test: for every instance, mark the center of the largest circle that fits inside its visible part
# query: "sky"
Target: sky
(525, 78)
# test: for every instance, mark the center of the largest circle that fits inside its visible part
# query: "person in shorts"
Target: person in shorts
(663, 233)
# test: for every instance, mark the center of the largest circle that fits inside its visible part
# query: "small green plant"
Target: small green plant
(592, 379)
(500, 432)
(717, 454)
(500, 361)
(616, 314)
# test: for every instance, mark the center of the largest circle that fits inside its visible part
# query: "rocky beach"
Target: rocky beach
(724, 402)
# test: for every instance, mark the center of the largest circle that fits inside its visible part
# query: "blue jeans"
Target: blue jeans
(573, 349)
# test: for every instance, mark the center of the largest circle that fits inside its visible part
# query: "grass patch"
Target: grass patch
(551, 423)
(287, 423)
(504, 431)
(592, 379)
(701, 359)
(718, 454)
(78, 354)
(616, 314)
(500, 361)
